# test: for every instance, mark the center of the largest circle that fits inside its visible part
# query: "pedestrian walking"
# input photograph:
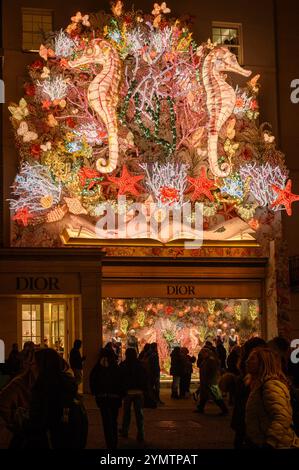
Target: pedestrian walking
(76, 361)
(107, 386)
(135, 384)
(176, 370)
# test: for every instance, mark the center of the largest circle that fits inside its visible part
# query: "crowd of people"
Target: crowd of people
(42, 408)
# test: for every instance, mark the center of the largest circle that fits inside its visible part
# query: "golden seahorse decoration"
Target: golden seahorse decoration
(221, 100)
(102, 94)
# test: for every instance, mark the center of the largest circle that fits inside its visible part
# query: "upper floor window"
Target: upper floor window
(36, 22)
(230, 35)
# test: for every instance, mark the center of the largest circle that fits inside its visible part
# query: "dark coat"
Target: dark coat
(106, 380)
(76, 360)
(133, 376)
(176, 366)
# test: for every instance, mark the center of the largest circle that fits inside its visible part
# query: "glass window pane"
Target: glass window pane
(35, 312)
(26, 328)
(54, 312)
(26, 312)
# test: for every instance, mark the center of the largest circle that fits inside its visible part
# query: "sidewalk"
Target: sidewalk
(171, 426)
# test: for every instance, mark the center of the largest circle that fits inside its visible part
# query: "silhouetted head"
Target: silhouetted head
(77, 344)
(49, 363)
(107, 357)
(249, 346)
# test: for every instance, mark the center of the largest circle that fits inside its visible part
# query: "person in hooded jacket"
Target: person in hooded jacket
(106, 385)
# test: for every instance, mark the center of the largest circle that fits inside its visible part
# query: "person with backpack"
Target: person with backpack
(106, 384)
(135, 384)
(209, 388)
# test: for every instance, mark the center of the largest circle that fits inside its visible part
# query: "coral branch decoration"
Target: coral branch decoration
(116, 99)
(167, 183)
(262, 179)
(35, 190)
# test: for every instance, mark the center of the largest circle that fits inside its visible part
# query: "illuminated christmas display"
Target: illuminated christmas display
(129, 104)
(179, 322)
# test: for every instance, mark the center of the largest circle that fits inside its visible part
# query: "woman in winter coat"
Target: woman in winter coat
(268, 415)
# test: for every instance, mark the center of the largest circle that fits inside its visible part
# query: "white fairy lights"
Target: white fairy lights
(54, 87)
(35, 189)
(261, 178)
(64, 45)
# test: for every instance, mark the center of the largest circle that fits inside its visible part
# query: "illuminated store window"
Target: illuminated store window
(31, 323)
(44, 324)
(230, 35)
(36, 22)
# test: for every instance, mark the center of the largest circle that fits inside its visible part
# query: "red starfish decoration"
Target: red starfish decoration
(23, 216)
(126, 183)
(202, 186)
(285, 197)
(89, 174)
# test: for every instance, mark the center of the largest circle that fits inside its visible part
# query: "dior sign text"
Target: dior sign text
(181, 290)
(37, 283)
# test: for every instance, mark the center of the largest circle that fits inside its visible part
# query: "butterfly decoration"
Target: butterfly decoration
(253, 83)
(46, 53)
(52, 122)
(158, 9)
(81, 19)
(46, 73)
(269, 139)
(211, 45)
(230, 131)
(230, 147)
(61, 103)
(24, 132)
(46, 147)
(117, 8)
(19, 112)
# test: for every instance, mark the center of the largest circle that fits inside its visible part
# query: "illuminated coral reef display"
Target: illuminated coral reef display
(129, 103)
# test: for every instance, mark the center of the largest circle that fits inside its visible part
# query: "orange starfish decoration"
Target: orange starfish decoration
(202, 186)
(285, 197)
(23, 216)
(126, 183)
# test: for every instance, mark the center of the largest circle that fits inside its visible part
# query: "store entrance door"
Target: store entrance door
(46, 323)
